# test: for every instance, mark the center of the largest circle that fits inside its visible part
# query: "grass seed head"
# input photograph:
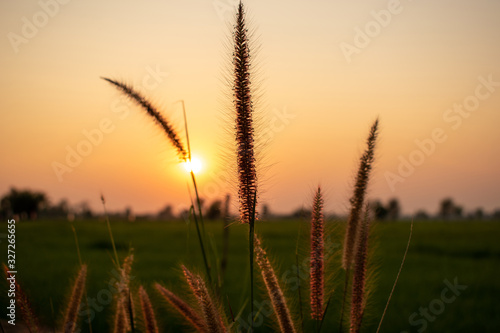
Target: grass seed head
(153, 112)
(242, 100)
(359, 277)
(317, 257)
(71, 317)
(273, 289)
(212, 316)
(184, 309)
(147, 312)
(358, 197)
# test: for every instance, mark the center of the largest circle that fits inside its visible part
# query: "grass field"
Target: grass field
(469, 252)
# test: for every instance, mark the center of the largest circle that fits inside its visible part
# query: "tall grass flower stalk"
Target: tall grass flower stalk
(358, 301)
(183, 153)
(317, 257)
(357, 200)
(81, 263)
(148, 314)
(120, 324)
(358, 197)
(182, 307)
(244, 136)
(274, 291)
(212, 316)
(72, 309)
(124, 296)
(152, 111)
(243, 104)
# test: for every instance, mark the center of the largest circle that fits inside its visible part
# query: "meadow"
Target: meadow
(469, 252)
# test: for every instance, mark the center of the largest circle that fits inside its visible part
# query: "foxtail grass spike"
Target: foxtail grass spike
(358, 198)
(147, 312)
(184, 309)
(125, 274)
(154, 113)
(273, 289)
(24, 306)
(120, 325)
(124, 287)
(71, 317)
(211, 314)
(317, 257)
(247, 175)
(358, 300)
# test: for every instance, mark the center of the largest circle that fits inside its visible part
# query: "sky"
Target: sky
(429, 70)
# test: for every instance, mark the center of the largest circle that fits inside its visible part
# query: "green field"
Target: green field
(47, 262)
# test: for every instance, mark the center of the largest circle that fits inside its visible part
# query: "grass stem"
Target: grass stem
(117, 261)
(397, 277)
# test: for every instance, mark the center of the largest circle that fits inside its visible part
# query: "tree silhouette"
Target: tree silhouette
(390, 212)
(393, 209)
(448, 209)
(421, 215)
(24, 203)
(214, 211)
(379, 210)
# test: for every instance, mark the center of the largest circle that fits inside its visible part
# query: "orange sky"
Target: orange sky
(327, 69)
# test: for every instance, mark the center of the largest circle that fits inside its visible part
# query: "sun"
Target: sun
(194, 165)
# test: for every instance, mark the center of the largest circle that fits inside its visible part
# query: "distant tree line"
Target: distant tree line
(27, 204)
(31, 205)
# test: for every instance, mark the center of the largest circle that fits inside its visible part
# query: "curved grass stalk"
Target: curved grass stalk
(358, 301)
(358, 197)
(184, 309)
(397, 277)
(147, 312)
(71, 316)
(274, 290)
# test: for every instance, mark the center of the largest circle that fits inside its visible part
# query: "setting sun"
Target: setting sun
(194, 165)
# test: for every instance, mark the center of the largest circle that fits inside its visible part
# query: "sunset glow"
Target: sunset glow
(194, 165)
(429, 70)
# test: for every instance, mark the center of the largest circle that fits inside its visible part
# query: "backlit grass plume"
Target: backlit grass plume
(154, 113)
(317, 257)
(148, 314)
(358, 197)
(120, 324)
(358, 300)
(124, 306)
(273, 289)
(242, 100)
(24, 305)
(212, 316)
(184, 309)
(71, 316)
